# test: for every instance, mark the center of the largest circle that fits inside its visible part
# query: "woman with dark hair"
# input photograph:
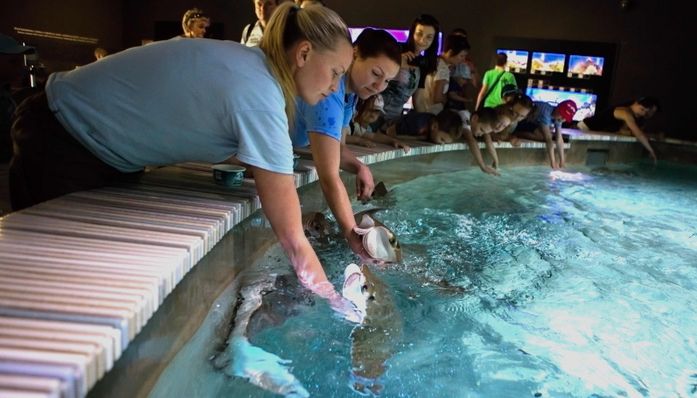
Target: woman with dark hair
(160, 110)
(627, 119)
(419, 58)
(323, 126)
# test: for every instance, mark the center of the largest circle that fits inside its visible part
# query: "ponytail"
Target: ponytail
(273, 45)
(322, 27)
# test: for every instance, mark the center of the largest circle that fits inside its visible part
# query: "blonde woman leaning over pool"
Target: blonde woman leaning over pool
(376, 58)
(74, 137)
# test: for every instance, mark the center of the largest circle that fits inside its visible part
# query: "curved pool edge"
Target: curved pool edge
(149, 350)
(443, 158)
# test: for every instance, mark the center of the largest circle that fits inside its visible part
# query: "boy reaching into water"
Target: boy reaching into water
(483, 123)
(537, 126)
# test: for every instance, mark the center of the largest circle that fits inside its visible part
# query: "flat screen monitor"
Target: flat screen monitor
(547, 62)
(585, 102)
(400, 34)
(586, 65)
(517, 59)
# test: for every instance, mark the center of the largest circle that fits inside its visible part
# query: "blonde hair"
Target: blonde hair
(322, 27)
(100, 53)
(190, 16)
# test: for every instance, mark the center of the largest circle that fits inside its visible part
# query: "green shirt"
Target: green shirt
(490, 77)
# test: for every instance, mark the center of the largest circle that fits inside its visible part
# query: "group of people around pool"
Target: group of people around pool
(297, 80)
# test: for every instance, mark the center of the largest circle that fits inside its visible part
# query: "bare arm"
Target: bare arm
(625, 115)
(437, 94)
(560, 146)
(473, 74)
(549, 145)
(474, 149)
(326, 153)
(364, 178)
(480, 96)
(361, 141)
(492, 150)
(385, 139)
(281, 205)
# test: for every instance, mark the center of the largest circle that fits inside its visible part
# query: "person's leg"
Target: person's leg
(48, 162)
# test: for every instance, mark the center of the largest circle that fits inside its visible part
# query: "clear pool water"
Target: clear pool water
(576, 284)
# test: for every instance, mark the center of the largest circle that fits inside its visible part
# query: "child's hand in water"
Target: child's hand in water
(490, 170)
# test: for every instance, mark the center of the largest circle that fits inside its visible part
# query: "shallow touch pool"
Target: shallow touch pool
(576, 284)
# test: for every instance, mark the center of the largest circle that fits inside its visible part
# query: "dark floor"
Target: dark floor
(4, 190)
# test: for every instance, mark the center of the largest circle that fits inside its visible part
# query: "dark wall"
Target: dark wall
(654, 38)
(102, 20)
(141, 15)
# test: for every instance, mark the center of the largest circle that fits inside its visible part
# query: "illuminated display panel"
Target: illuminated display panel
(517, 59)
(585, 102)
(586, 65)
(547, 62)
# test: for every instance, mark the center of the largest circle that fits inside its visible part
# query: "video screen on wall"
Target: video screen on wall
(585, 102)
(547, 62)
(517, 59)
(586, 65)
(400, 34)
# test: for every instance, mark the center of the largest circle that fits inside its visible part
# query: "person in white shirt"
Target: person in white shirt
(437, 83)
(253, 32)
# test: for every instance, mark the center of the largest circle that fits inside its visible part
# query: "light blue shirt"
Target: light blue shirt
(174, 101)
(328, 117)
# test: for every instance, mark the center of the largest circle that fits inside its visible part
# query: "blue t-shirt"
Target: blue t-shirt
(328, 117)
(174, 101)
(541, 115)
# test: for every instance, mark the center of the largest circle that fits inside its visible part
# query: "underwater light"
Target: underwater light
(564, 176)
